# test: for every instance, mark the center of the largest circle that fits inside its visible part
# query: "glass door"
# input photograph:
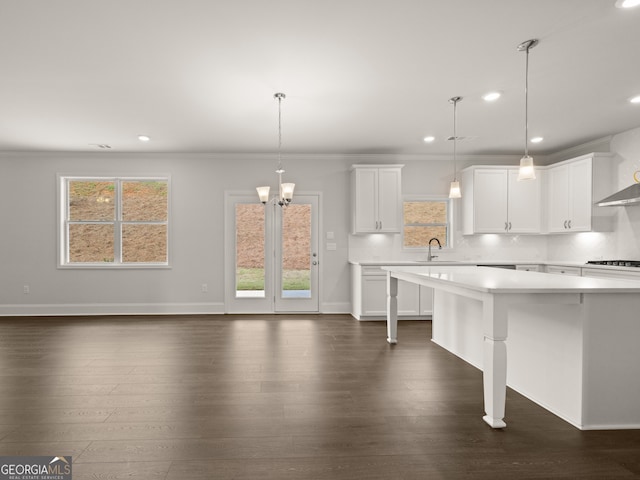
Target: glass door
(297, 261)
(271, 255)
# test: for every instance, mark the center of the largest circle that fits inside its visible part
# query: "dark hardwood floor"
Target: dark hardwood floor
(273, 397)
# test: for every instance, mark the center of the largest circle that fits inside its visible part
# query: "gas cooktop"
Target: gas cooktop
(618, 263)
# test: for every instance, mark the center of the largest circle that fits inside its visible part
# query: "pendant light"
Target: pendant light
(454, 189)
(285, 190)
(527, 171)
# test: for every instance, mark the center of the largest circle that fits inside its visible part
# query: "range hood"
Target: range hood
(628, 196)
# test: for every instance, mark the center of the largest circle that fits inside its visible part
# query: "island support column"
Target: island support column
(392, 309)
(494, 321)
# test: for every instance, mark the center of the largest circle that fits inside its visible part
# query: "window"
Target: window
(114, 221)
(424, 219)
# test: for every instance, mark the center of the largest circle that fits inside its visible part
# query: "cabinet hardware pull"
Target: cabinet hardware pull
(505, 226)
(509, 225)
(569, 223)
(565, 224)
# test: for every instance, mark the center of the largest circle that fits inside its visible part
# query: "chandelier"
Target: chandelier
(285, 190)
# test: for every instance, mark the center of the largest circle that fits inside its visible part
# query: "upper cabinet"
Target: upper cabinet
(572, 188)
(495, 202)
(376, 198)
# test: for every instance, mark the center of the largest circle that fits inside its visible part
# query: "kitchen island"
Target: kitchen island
(572, 341)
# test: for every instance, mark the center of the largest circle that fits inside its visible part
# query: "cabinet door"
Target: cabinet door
(490, 201)
(365, 195)
(560, 270)
(558, 198)
(374, 295)
(524, 204)
(389, 200)
(426, 300)
(408, 299)
(580, 198)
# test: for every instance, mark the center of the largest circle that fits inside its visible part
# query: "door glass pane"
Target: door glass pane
(296, 251)
(250, 260)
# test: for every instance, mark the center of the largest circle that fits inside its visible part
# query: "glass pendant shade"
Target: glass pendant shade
(526, 171)
(454, 190)
(286, 191)
(263, 193)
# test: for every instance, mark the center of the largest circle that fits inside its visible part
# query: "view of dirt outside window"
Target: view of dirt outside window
(424, 220)
(296, 245)
(95, 234)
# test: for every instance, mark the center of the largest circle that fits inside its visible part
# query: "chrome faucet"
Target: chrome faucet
(429, 256)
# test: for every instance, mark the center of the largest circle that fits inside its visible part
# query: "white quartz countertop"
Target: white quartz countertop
(391, 263)
(495, 280)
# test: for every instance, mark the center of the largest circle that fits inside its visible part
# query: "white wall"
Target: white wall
(29, 226)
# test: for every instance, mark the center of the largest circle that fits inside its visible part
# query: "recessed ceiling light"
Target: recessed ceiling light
(635, 99)
(144, 138)
(627, 3)
(536, 139)
(491, 96)
(429, 139)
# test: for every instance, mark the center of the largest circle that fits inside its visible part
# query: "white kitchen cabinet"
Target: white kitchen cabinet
(529, 268)
(369, 295)
(426, 301)
(602, 273)
(376, 193)
(495, 202)
(563, 270)
(572, 188)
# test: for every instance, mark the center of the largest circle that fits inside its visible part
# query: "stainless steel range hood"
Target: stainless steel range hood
(628, 196)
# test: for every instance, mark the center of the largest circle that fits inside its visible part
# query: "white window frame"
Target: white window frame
(63, 222)
(449, 224)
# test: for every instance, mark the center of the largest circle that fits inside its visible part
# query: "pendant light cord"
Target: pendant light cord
(455, 140)
(526, 104)
(279, 97)
(455, 101)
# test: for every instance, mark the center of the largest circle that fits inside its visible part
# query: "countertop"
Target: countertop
(410, 263)
(496, 280)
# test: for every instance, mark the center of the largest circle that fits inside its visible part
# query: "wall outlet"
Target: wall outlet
(26, 289)
(204, 288)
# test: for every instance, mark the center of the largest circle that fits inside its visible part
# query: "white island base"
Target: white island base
(577, 354)
(580, 361)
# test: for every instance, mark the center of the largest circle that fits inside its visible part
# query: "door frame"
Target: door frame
(267, 303)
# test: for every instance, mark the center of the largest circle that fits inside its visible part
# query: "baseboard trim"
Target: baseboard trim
(336, 307)
(112, 309)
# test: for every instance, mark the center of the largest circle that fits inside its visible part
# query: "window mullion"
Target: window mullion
(117, 227)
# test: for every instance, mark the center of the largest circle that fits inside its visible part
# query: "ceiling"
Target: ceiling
(361, 76)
